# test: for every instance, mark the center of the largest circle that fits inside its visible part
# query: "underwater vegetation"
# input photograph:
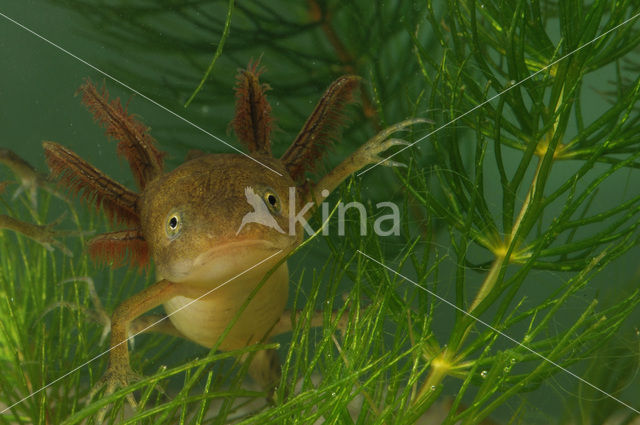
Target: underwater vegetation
(510, 294)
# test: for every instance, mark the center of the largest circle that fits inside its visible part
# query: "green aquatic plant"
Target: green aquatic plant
(513, 276)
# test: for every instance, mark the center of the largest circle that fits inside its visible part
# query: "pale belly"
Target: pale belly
(205, 320)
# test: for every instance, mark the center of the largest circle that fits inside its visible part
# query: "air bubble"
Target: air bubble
(484, 373)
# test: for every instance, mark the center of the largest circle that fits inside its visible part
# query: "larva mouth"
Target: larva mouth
(249, 257)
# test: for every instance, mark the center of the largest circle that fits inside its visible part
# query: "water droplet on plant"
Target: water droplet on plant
(433, 388)
(484, 373)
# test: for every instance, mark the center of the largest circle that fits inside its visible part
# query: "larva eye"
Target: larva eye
(272, 200)
(174, 224)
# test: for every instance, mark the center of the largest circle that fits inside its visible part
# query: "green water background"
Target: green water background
(38, 82)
